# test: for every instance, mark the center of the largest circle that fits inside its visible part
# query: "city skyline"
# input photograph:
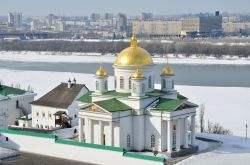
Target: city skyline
(79, 7)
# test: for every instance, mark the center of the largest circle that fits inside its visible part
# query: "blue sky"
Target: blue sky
(131, 7)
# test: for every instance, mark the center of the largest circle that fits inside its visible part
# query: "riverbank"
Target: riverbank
(74, 57)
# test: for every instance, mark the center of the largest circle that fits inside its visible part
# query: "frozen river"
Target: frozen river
(186, 74)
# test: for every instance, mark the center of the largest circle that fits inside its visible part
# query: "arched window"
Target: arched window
(128, 141)
(106, 85)
(163, 83)
(97, 85)
(143, 87)
(121, 82)
(115, 82)
(149, 82)
(152, 141)
(129, 83)
(134, 88)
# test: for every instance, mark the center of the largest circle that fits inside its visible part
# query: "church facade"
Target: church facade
(134, 115)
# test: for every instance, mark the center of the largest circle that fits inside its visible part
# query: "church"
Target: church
(134, 115)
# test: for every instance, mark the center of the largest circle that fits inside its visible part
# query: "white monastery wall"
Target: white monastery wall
(48, 146)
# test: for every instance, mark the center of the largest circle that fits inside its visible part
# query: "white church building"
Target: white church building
(135, 116)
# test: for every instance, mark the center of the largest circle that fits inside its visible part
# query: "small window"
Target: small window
(143, 87)
(97, 85)
(134, 88)
(150, 82)
(43, 114)
(152, 141)
(172, 84)
(24, 125)
(37, 114)
(115, 82)
(75, 115)
(128, 141)
(37, 126)
(50, 115)
(163, 83)
(121, 82)
(7, 139)
(130, 83)
(106, 85)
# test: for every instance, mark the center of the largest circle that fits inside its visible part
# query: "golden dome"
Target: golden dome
(101, 71)
(167, 71)
(134, 55)
(138, 74)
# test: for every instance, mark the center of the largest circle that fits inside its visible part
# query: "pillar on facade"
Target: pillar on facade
(80, 130)
(178, 135)
(185, 133)
(193, 130)
(111, 133)
(170, 136)
(90, 131)
(100, 132)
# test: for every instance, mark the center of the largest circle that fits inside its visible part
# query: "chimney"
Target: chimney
(74, 81)
(69, 83)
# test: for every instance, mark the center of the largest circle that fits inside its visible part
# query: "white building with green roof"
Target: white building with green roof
(14, 103)
(134, 115)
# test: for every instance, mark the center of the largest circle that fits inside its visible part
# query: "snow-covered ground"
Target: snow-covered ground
(7, 153)
(229, 106)
(233, 150)
(25, 56)
(66, 133)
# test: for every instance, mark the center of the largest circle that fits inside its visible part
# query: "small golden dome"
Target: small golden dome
(101, 71)
(167, 71)
(134, 55)
(138, 74)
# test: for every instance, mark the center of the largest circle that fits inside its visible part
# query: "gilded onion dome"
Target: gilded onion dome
(138, 74)
(133, 55)
(101, 71)
(167, 71)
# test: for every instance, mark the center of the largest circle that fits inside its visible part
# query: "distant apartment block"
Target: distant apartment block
(184, 26)
(146, 16)
(122, 22)
(157, 28)
(15, 20)
(204, 24)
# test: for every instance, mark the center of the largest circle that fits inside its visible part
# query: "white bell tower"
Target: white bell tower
(138, 84)
(101, 80)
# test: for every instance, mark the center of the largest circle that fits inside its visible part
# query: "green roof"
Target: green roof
(168, 104)
(6, 90)
(86, 98)
(112, 105)
(156, 93)
(114, 93)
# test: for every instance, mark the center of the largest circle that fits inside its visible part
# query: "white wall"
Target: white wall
(47, 146)
(9, 112)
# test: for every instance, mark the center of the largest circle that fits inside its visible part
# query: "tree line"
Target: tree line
(153, 47)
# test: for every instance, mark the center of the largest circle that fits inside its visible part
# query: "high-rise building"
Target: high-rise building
(202, 24)
(146, 16)
(108, 16)
(15, 20)
(51, 19)
(95, 16)
(122, 22)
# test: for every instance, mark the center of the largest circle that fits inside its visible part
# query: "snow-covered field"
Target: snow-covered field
(233, 150)
(25, 56)
(228, 106)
